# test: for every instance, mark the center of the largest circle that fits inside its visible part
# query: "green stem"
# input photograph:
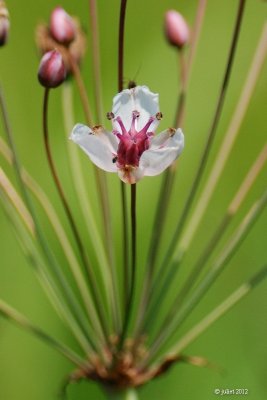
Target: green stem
(121, 44)
(51, 262)
(125, 241)
(130, 299)
(211, 135)
(12, 314)
(125, 394)
(218, 266)
(125, 238)
(87, 267)
(219, 311)
(205, 155)
(96, 60)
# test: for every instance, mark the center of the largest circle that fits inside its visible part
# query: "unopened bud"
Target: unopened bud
(4, 23)
(176, 29)
(62, 26)
(52, 71)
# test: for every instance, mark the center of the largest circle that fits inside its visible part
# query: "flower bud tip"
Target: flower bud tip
(4, 23)
(62, 26)
(52, 71)
(176, 29)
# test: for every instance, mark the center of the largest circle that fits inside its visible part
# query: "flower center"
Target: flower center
(133, 142)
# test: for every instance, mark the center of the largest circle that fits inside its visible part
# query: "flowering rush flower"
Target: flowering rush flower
(132, 149)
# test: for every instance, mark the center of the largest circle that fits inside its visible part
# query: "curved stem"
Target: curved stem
(87, 267)
(101, 184)
(162, 205)
(212, 274)
(211, 135)
(51, 261)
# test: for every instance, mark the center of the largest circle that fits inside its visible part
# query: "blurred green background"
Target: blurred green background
(28, 368)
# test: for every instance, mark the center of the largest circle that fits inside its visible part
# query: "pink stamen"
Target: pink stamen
(132, 143)
(123, 130)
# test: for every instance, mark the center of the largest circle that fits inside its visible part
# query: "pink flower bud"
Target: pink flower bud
(62, 26)
(176, 29)
(52, 71)
(4, 23)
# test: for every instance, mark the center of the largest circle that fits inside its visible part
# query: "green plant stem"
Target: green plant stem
(84, 200)
(169, 175)
(125, 246)
(101, 185)
(121, 44)
(48, 255)
(130, 299)
(210, 138)
(49, 286)
(96, 60)
(125, 235)
(87, 267)
(210, 277)
(202, 260)
(219, 311)
(124, 394)
(161, 210)
(227, 144)
(82, 90)
(61, 235)
(12, 314)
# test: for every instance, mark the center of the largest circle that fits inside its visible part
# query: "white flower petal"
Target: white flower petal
(137, 99)
(164, 149)
(101, 147)
(131, 175)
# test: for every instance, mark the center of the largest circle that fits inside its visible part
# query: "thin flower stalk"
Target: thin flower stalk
(123, 6)
(220, 310)
(195, 36)
(216, 269)
(235, 204)
(82, 89)
(87, 267)
(18, 318)
(130, 299)
(125, 236)
(45, 278)
(227, 145)
(84, 200)
(46, 250)
(15, 199)
(211, 134)
(168, 179)
(61, 235)
(99, 176)
(96, 60)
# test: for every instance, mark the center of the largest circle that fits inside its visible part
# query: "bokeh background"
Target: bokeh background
(28, 368)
